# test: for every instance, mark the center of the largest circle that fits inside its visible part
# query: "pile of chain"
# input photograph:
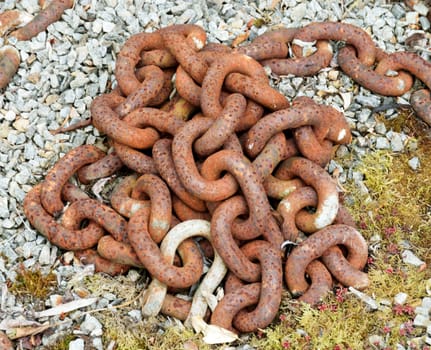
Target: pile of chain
(211, 156)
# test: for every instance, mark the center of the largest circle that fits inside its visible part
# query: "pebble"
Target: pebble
(382, 143)
(91, 326)
(410, 258)
(414, 163)
(400, 298)
(77, 344)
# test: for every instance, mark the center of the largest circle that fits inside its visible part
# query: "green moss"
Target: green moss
(33, 283)
(62, 343)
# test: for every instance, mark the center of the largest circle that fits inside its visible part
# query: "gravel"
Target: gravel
(66, 67)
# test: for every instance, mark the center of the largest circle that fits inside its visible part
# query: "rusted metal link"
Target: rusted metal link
(355, 36)
(372, 79)
(347, 272)
(9, 63)
(421, 103)
(180, 235)
(130, 55)
(160, 200)
(52, 13)
(320, 152)
(314, 246)
(162, 156)
(328, 124)
(57, 234)
(121, 199)
(252, 188)
(151, 86)
(135, 159)
(104, 167)
(326, 188)
(72, 193)
(158, 57)
(321, 283)
(183, 42)
(302, 66)
(224, 243)
(218, 71)
(421, 69)
(91, 257)
(187, 171)
(11, 19)
(269, 296)
(223, 126)
(184, 212)
(62, 171)
(100, 213)
(150, 256)
(118, 252)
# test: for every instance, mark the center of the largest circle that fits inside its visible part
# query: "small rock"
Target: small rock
(412, 17)
(421, 321)
(376, 340)
(382, 143)
(298, 12)
(91, 326)
(44, 256)
(426, 303)
(414, 163)
(77, 344)
(410, 258)
(400, 298)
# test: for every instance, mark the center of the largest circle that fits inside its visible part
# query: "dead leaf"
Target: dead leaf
(240, 39)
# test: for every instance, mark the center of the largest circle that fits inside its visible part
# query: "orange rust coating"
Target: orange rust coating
(90, 256)
(223, 126)
(234, 301)
(302, 66)
(62, 171)
(135, 159)
(407, 61)
(50, 14)
(374, 80)
(314, 246)
(291, 205)
(216, 74)
(10, 19)
(161, 205)
(255, 90)
(321, 283)
(276, 150)
(151, 86)
(184, 44)
(175, 307)
(186, 168)
(5, 342)
(327, 122)
(359, 38)
(162, 155)
(62, 237)
(158, 57)
(166, 89)
(311, 148)
(107, 121)
(118, 252)
(129, 57)
(150, 256)
(104, 167)
(251, 186)
(346, 272)
(100, 213)
(326, 188)
(224, 243)
(421, 103)
(9, 63)
(264, 49)
(121, 200)
(270, 288)
(184, 212)
(72, 193)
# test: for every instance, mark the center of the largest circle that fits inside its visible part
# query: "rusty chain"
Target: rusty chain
(204, 160)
